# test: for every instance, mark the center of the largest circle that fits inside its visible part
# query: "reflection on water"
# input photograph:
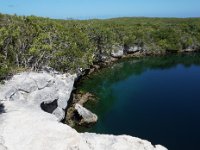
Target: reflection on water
(155, 98)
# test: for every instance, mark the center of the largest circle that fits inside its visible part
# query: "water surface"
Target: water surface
(155, 98)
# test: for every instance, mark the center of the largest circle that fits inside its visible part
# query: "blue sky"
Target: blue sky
(86, 9)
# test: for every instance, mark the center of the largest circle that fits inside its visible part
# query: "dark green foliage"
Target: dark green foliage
(32, 42)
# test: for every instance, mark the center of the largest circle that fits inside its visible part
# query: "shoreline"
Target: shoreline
(77, 97)
(47, 126)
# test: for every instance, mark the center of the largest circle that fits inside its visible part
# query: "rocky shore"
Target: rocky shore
(31, 107)
(105, 60)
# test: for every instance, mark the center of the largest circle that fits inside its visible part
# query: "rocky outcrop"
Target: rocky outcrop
(117, 51)
(25, 126)
(76, 115)
(87, 117)
(133, 49)
(37, 88)
(193, 48)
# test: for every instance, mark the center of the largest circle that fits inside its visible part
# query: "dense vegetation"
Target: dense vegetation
(32, 42)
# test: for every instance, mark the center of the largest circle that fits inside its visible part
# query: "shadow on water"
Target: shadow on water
(154, 98)
(100, 83)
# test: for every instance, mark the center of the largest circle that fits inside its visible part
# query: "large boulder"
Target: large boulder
(87, 116)
(25, 126)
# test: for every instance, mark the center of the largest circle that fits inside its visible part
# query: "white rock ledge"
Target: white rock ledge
(87, 116)
(25, 126)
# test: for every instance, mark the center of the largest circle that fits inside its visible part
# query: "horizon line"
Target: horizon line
(99, 18)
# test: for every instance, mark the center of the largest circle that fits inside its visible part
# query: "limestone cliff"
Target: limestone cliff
(24, 125)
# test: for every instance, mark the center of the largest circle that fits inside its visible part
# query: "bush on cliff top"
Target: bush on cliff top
(32, 42)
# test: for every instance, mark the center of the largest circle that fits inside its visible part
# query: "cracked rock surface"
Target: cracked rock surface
(25, 126)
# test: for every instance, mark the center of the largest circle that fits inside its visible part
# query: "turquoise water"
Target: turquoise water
(155, 98)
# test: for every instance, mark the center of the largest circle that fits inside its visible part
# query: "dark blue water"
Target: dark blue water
(157, 99)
